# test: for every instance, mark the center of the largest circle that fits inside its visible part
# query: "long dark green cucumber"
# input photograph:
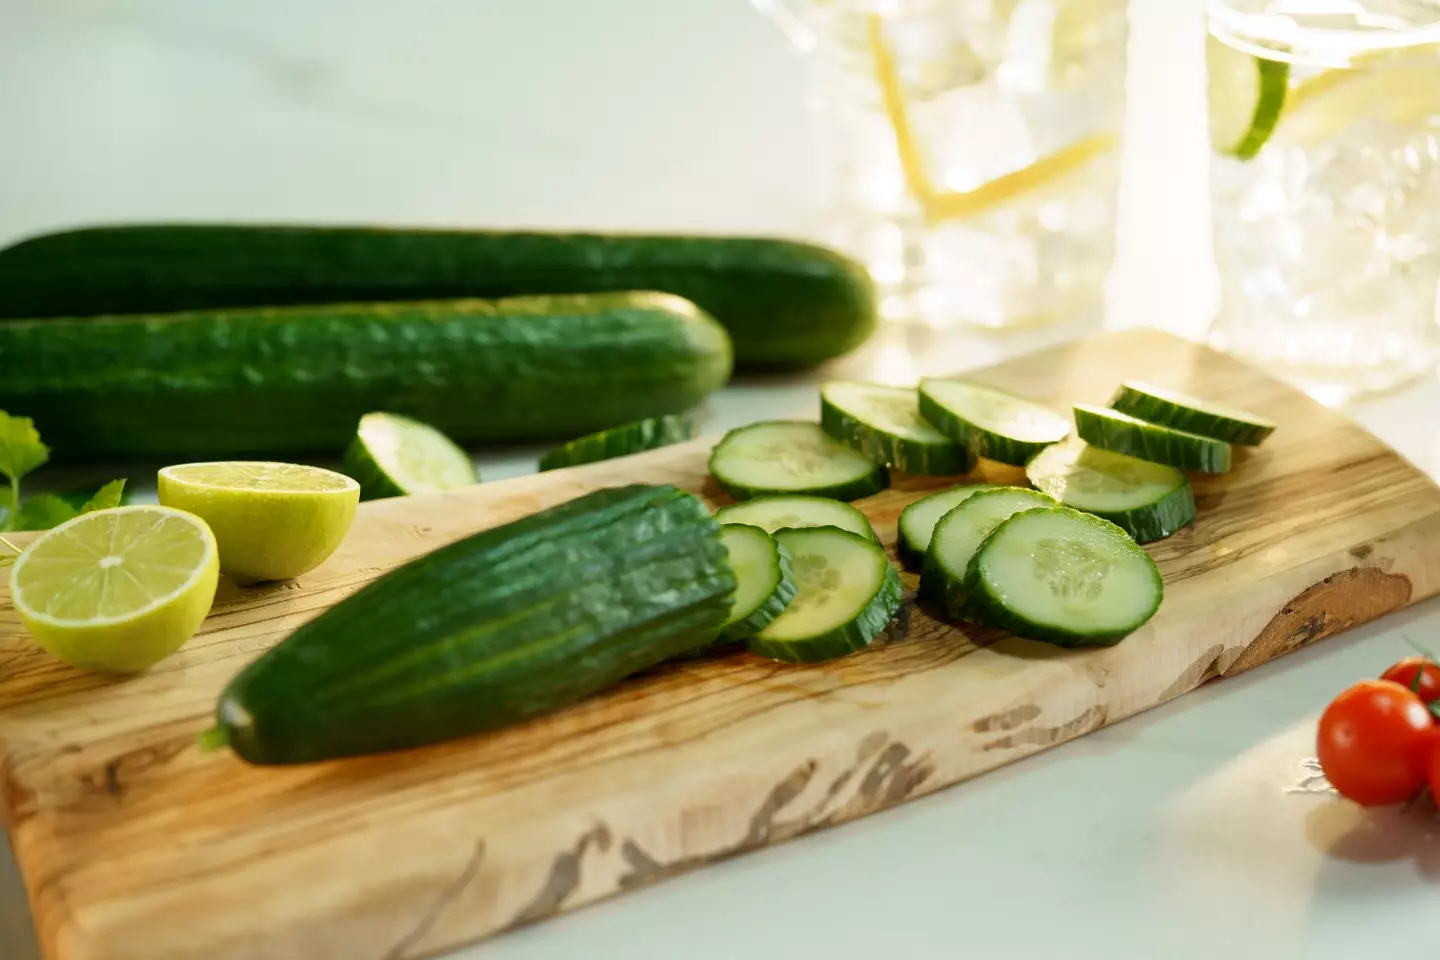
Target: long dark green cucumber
(502, 626)
(293, 380)
(785, 303)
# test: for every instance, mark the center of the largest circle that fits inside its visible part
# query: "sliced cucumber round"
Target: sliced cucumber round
(848, 593)
(1170, 408)
(884, 423)
(1245, 96)
(1147, 500)
(1065, 577)
(395, 456)
(621, 441)
(792, 511)
(917, 521)
(959, 534)
(1123, 433)
(788, 456)
(991, 423)
(764, 581)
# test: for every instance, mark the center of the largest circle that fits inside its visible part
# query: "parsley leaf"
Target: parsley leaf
(20, 452)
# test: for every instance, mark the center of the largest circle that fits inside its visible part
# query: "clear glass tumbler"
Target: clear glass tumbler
(1325, 188)
(974, 148)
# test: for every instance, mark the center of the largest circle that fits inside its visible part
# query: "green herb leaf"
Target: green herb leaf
(20, 448)
(43, 511)
(1418, 649)
(106, 497)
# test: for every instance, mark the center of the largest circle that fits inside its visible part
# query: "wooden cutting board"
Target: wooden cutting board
(135, 845)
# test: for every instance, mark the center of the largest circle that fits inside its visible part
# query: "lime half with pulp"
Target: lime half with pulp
(117, 590)
(394, 456)
(273, 521)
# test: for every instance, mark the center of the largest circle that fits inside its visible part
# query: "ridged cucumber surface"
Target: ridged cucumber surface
(262, 382)
(791, 456)
(917, 521)
(775, 513)
(1113, 430)
(848, 591)
(491, 630)
(1170, 408)
(764, 581)
(651, 433)
(1147, 500)
(785, 303)
(884, 423)
(959, 534)
(992, 423)
(1064, 577)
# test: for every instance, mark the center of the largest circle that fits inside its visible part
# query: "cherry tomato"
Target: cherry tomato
(1404, 673)
(1374, 743)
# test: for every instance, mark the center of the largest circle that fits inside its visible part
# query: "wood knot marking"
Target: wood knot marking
(1362, 552)
(1008, 719)
(564, 877)
(1334, 605)
(1092, 718)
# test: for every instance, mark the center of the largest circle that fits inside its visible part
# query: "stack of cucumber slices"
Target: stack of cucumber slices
(1061, 562)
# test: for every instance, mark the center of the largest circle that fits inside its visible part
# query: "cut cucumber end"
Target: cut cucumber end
(1171, 408)
(789, 456)
(884, 423)
(957, 536)
(1147, 500)
(1121, 433)
(991, 423)
(847, 593)
(917, 521)
(795, 511)
(395, 456)
(1062, 576)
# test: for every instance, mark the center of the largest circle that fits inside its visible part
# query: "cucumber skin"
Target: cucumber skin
(876, 480)
(986, 608)
(908, 456)
(358, 465)
(1155, 522)
(911, 558)
(1162, 412)
(785, 303)
(274, 381)
(980, 443)
(502, 626)
(742, 630)
(948, 593)
(1150, 442)
(854, 636)
(649, 434)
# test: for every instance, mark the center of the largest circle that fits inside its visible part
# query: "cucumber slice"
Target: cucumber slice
(848, 593)
(1170, 408)
(917, 521)
(1245, 96)
(649, 434)
(959, 534)
(394, 456)
(1147, 500)
(776, 513)
(1065, 577)
(764, 581)
(991, 423)
(787, 456)
(1123, 433)
(884, 423)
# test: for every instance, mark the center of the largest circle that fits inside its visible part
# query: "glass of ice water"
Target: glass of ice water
(974, 148)
(1325, 188)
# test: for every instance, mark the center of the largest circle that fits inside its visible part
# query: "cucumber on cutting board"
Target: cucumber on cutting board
(785, 303)
(917, 521)
(1113, 430)
(1147, 500)
(848, 591)
(1170, 408)
(265, 382)
(496, 628)
(651, 433)
(394, 456)
(992, 423)
(1065, 577)
(764, 581)
(884, 423)
(780, 512)
(959, 534)
(790, 456)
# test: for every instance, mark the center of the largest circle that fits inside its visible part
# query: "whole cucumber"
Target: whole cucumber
(785, 303)
(274, 381)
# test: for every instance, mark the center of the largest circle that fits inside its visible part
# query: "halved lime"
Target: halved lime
(394, 456)
(119, 589)
(273, 521)
(1245, 96)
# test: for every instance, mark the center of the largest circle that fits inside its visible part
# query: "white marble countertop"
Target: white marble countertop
(1174, 834)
